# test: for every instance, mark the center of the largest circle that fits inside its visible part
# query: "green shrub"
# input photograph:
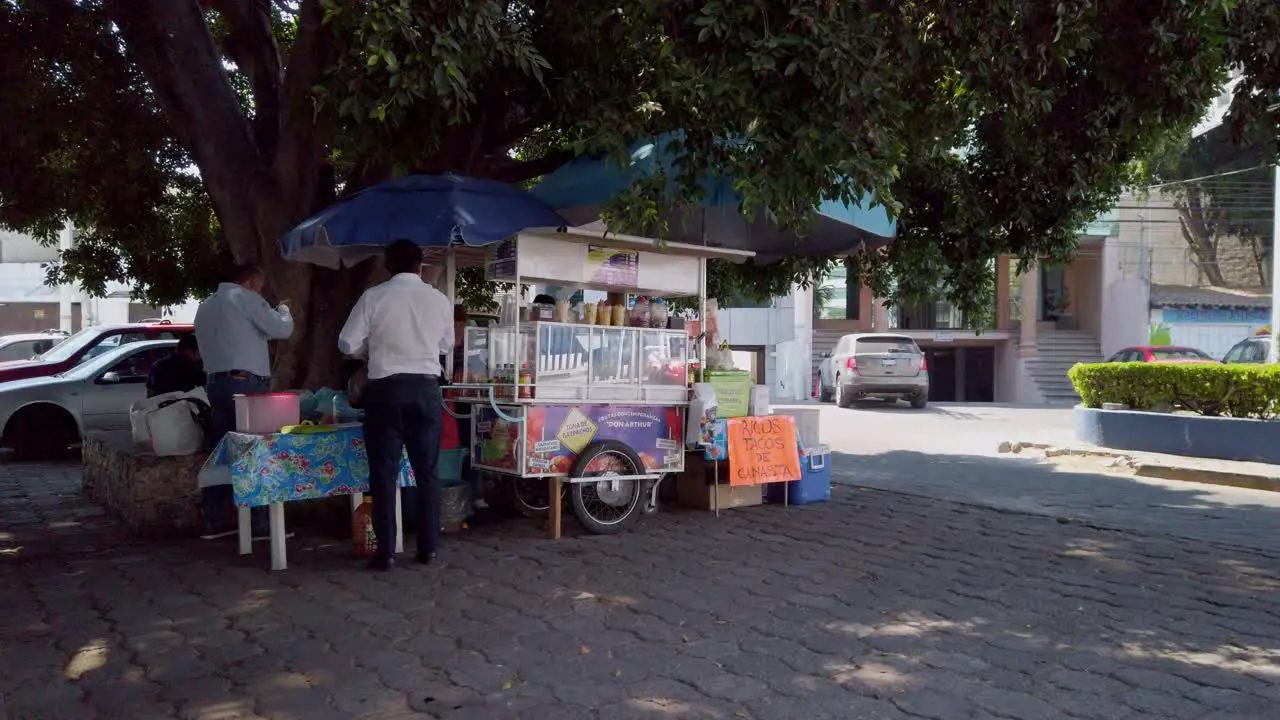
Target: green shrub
(1242, 391)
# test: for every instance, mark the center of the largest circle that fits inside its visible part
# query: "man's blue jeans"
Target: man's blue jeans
(222, 389)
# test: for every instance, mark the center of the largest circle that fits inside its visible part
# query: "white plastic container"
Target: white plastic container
(267, 413)
(807, 424)
(758, 402)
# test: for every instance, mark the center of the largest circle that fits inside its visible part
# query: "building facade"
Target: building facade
(27, 304)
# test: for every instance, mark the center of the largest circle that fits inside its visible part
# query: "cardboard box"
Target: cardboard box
(693, 491)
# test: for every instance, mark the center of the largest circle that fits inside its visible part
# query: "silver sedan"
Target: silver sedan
(42, 416)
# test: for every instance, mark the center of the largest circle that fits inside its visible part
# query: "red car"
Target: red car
(88, 343)
(1161, 354)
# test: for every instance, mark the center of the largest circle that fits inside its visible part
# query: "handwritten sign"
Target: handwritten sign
(763, 450)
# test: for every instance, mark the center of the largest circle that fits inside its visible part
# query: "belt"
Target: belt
(239, 375)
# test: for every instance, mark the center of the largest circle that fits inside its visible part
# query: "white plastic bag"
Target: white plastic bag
(176, 423)
(703, 410)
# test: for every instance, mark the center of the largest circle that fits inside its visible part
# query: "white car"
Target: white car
(42, 416)
(25, 346)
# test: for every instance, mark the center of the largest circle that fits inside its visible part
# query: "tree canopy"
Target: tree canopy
(995, 128)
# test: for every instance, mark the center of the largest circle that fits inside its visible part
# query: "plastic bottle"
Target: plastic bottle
(362, 529)
(526, 383)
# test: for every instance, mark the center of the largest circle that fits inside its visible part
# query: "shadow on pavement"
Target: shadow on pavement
(875, 605)
(1249, 518)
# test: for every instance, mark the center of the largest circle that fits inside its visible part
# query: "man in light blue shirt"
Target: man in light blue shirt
(233, 327)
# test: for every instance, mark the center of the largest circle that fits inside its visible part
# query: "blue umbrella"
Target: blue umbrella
(580, 189)
(431, 210)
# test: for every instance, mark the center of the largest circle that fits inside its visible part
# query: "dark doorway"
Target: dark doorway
(942, 374)
(961, 374)
(979, 374)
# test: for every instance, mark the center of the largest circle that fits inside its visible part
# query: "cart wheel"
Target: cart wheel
(605, 506)
(530, 496)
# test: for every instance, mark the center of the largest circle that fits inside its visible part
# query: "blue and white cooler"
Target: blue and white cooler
(814, 485)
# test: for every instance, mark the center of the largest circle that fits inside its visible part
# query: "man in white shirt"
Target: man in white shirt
(233, 327)
(402, 327)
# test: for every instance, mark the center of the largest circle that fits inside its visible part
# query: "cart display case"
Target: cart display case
(550, 361)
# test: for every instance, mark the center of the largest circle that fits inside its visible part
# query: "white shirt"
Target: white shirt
(401, 326)
(233, 326)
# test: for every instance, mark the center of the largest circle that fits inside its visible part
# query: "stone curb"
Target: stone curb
(1156, 470)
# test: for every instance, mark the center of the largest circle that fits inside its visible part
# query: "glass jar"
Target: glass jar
(658, 313)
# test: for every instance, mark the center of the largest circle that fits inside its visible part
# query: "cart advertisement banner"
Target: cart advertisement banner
(619, 268)
(557, 433)
(496, 441)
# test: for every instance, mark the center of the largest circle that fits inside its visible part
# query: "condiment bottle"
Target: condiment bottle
(526, 383)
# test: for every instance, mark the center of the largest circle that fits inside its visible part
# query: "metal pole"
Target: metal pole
(451, 289)
(1273, 350)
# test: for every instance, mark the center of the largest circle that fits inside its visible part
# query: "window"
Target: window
(21, 350)
(1255, 352)
(887, 345)
(135, 368)
(1179, 354)
(1235, 354)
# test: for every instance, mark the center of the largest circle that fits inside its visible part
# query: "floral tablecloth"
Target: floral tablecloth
(267, 469)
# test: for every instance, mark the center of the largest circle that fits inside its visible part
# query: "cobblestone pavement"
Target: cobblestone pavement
(949, 452)
(876, 605)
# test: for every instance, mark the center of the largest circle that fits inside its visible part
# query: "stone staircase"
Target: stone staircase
(1056, 352)
(823, 341)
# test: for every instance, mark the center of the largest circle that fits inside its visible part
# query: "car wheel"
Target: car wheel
(843, 399)
(40, 432)
(919, 401)
(824, 394)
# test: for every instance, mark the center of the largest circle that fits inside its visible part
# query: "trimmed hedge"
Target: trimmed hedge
(1240, 391)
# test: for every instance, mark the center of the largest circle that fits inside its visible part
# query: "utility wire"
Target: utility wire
(1207, 177)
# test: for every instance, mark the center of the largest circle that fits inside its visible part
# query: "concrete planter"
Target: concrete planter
(1191, 435)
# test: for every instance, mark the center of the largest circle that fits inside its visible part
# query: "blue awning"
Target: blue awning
(580, 189)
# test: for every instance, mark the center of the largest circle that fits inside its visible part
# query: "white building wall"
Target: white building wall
(1214, 338)
(785, 331)
(17, 248)
(22, 279)
(1126, 282)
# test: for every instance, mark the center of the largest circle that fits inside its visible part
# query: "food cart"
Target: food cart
(565, 394)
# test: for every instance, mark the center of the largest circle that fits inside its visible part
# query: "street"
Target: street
(949, 452)
(942, 582)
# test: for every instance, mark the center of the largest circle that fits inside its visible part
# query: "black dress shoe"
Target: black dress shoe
(426, 558)
(382, 564)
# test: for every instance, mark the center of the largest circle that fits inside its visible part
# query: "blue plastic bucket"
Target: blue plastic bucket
(449, 466)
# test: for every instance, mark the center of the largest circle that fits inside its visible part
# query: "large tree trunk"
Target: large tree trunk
(262, 176)
(1200, 237)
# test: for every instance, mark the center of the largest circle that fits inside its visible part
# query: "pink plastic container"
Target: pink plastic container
(267, 413)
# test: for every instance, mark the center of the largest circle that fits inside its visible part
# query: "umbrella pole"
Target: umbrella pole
(451, 289)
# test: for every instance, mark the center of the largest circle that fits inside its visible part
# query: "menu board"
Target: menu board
(500, 262)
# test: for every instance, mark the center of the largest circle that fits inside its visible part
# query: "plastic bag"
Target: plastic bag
(703, 412)
(138, 412)
(177, 427)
